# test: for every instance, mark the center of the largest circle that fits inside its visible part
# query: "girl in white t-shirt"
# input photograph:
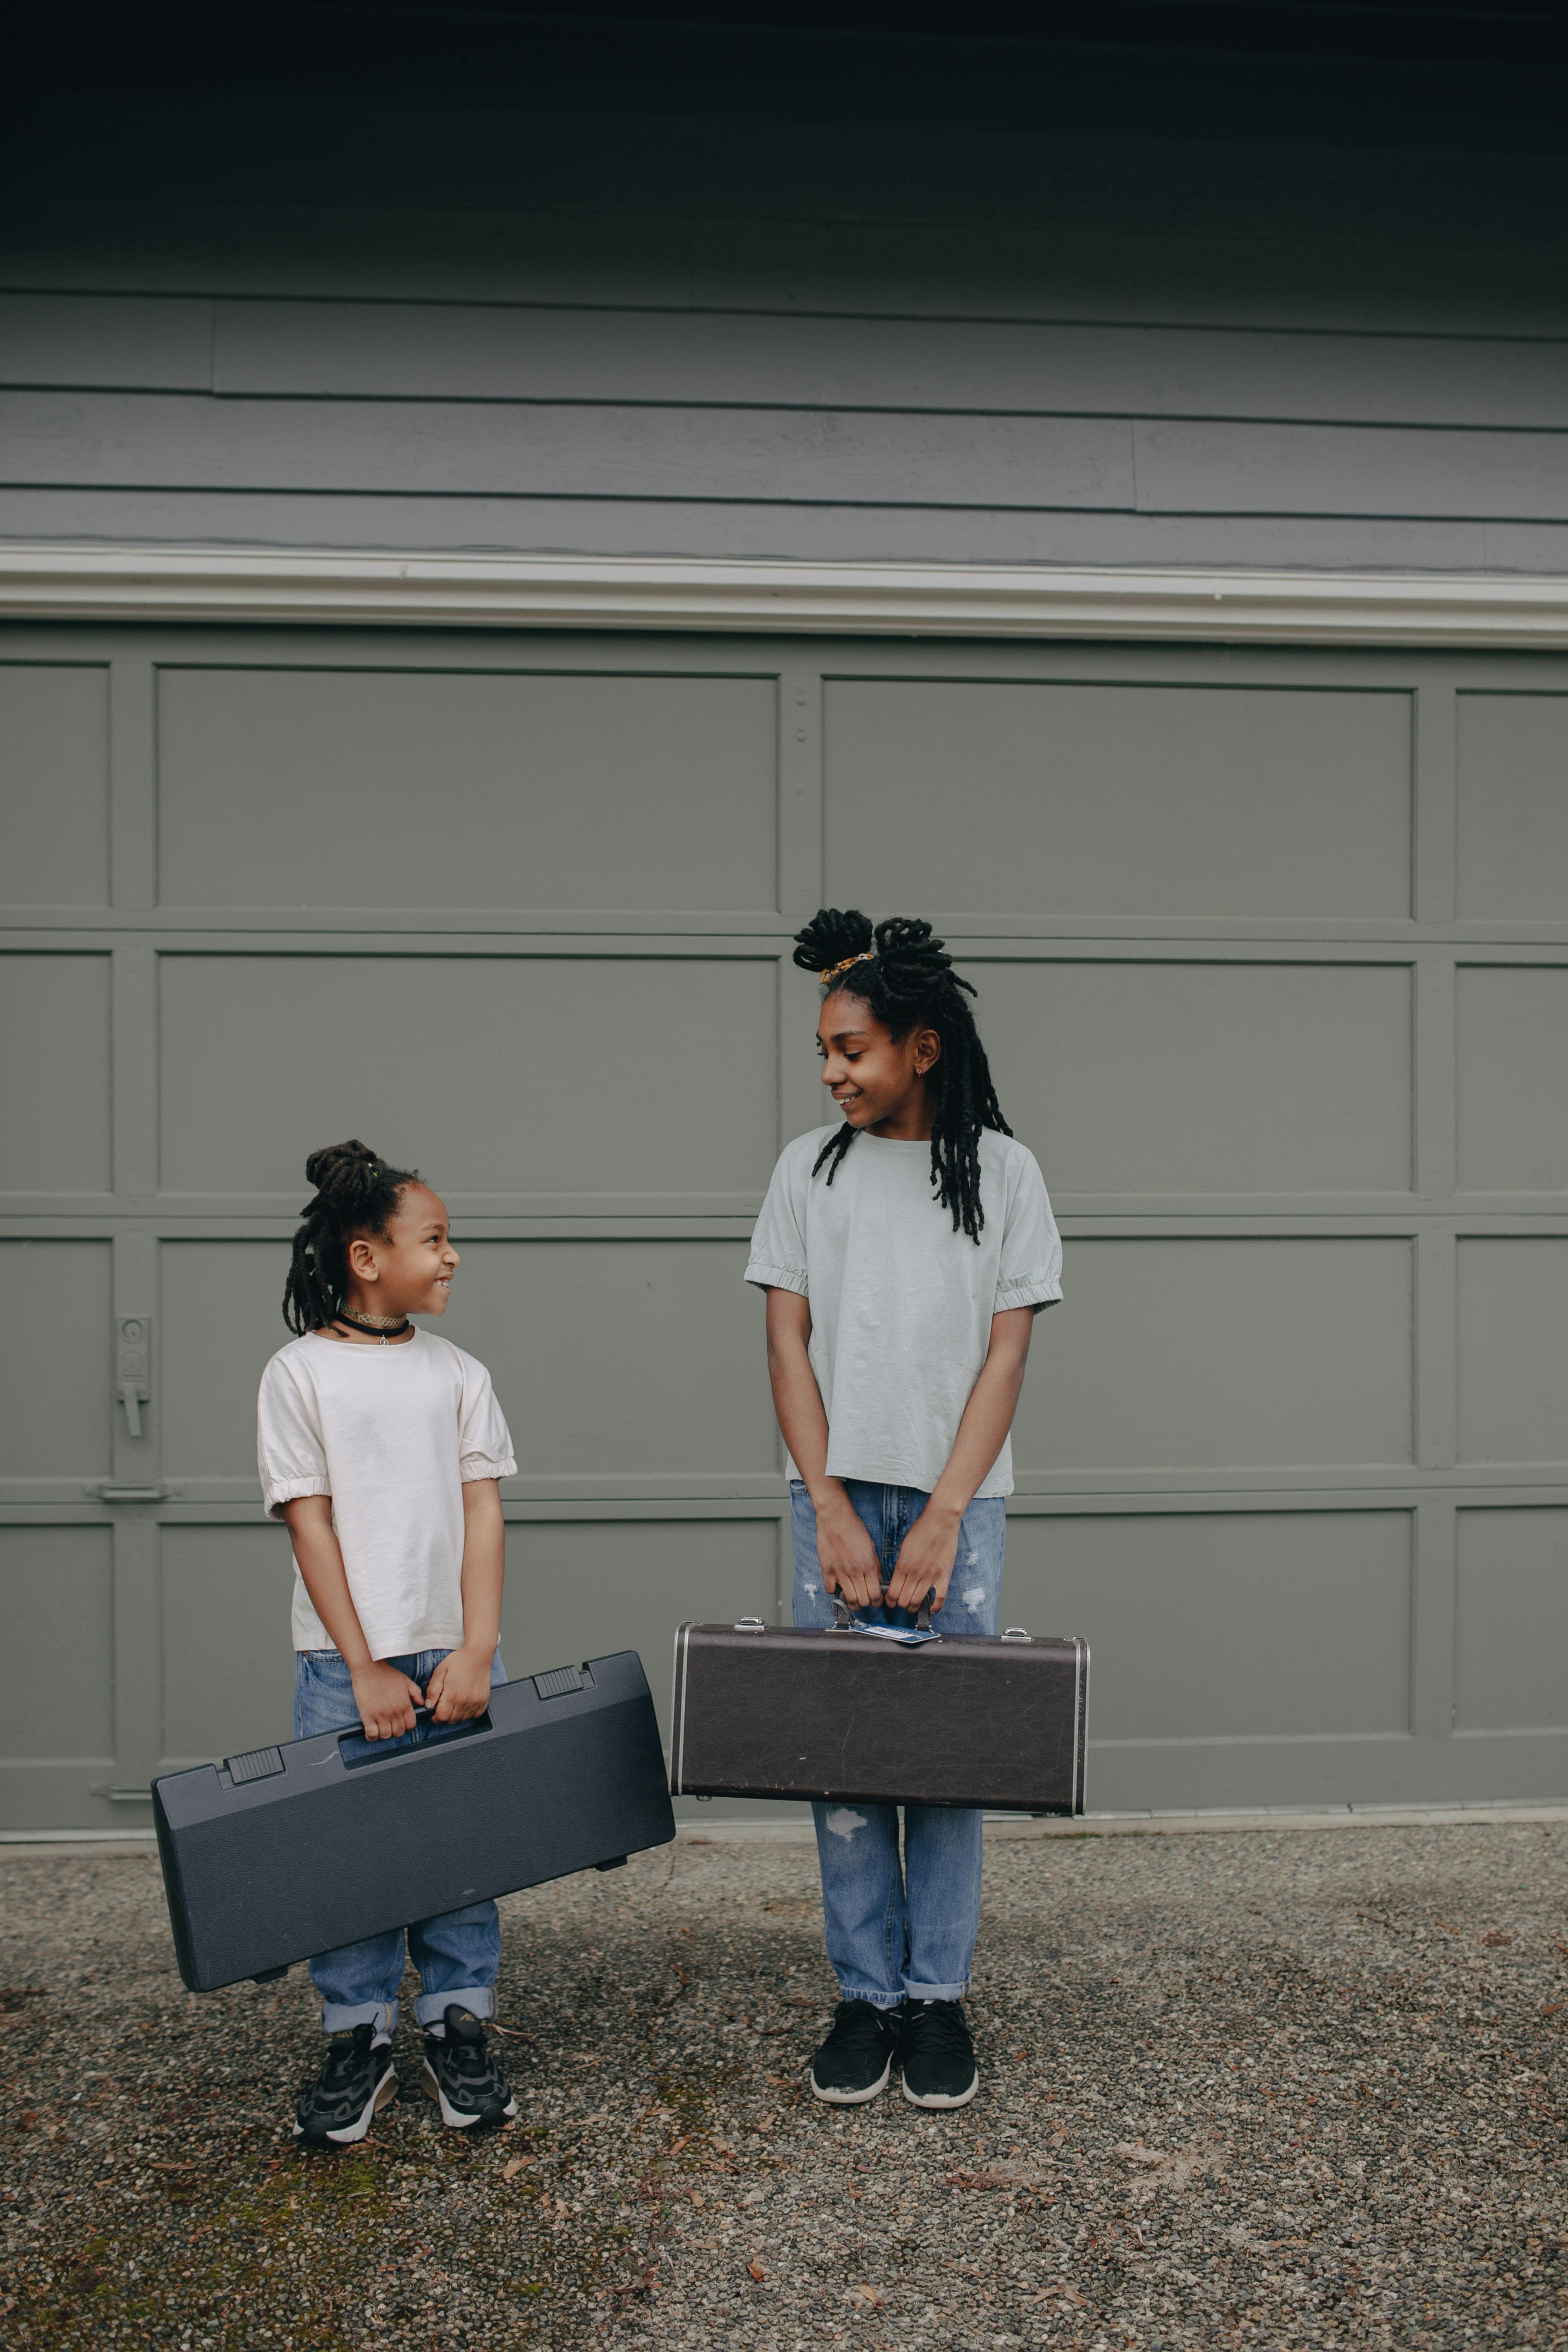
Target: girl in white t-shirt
(905, 1251)
(380, 1446)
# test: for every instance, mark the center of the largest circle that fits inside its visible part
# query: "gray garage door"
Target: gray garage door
(1275, 972)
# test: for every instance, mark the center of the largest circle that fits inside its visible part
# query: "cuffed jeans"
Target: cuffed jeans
(902, 1929)
(458, 1953)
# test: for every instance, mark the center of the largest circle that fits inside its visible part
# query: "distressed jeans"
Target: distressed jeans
(902, 1928)
(456, 1954)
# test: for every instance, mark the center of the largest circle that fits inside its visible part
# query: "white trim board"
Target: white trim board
(59, 580)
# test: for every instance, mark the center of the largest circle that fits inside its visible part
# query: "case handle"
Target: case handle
(841, 1618)
(425, 1734)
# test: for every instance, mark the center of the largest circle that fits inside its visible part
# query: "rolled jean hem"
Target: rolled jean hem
(341, 2017)
(877, 2000)
(477, 2000)
(934, 1992)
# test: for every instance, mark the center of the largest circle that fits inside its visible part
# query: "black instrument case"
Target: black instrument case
(291, 1851)
(997, 1721)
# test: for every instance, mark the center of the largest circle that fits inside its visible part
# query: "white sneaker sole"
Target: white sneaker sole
(347, 2135)
(852, 2099)
(941, 2098)
(456, 2118)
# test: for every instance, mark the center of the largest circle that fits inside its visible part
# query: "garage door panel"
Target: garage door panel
(1513, 1349)
(1000, 798)
(59, 1426)
(1512, 1620)
(55, 1074)
(491, 1075)
(1226, 1625)
(422, 788)
(1205, 1077)
(54, 785)
(1512, 1083)
(209, 1393)
(610, 1358)
(581, 1591)
(227, 1651)
(622, 1359)
(57, 1603)
(1187, 1354)
(1513, 807)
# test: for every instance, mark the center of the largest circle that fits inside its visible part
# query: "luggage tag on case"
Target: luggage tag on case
(908, 1637)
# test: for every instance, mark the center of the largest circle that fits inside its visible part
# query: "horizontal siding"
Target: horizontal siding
(729, 334)
(366, 351)
(804, 533)
(552, 450)
(722, 457)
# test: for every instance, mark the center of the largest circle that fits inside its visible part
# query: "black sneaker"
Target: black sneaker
(354, 2084)
(937, 2055)
(461, 2071)
(853, 2063)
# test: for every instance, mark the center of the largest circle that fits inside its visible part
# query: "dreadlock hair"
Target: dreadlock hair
(902, 976)
(356, 1193)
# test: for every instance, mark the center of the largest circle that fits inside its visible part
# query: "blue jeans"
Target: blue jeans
(456, 1954)
(903, 1929)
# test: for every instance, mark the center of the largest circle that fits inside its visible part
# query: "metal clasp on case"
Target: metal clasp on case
(750, 1625)
(1017, 1633)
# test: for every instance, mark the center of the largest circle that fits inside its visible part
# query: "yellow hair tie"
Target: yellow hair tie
(867, 955)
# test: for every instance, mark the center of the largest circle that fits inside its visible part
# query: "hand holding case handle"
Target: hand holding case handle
(430, 1735)
(843, 1623)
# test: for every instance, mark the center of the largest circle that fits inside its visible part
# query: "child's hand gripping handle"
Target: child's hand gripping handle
(841, 1618)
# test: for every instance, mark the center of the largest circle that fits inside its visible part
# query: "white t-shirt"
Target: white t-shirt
(901, 1305)
(391, 1435)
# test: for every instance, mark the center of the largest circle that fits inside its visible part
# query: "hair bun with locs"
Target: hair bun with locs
(356, 1193)
(831, 937)
(900, 972)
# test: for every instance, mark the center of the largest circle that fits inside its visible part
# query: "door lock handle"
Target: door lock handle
(133, 1367)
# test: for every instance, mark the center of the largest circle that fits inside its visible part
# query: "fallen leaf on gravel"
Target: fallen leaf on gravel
(1174, 2168)
(871, 2296)
(514, 2165)
(757, 2272)
(1495, 1937)
(979, 2180)
(1551, 2008)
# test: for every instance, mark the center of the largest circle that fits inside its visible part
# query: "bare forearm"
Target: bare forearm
(484, 1565)
(797, 1400)
(982, 1433)
(845, 1552)
(926, 1553)
(320, 1562)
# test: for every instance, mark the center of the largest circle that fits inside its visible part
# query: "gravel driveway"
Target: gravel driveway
(1279, 2087)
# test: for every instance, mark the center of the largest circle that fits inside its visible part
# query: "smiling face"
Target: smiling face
(878, 1080)
(408, 1270)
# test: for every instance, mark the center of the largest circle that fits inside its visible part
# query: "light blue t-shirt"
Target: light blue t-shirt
(901, 1304)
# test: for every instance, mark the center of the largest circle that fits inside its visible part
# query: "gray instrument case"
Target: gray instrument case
(998, 1721)
(291, 1851)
